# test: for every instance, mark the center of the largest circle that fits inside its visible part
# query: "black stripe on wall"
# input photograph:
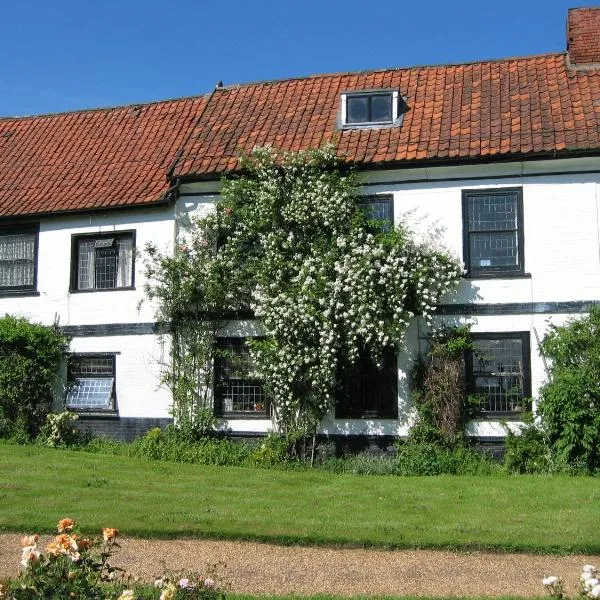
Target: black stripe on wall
(510, 308)
(518, 308)
(107, 329)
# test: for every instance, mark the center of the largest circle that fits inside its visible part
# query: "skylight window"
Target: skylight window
(369, 108)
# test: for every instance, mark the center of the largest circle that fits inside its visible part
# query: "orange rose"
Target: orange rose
(30, 540)
(53, 549)
(84, 544)
(65, 525)
(109, 534)
(65, 541)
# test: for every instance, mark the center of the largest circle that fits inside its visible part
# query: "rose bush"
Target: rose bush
(76, 567)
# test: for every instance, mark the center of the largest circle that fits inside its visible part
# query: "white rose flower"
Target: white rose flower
(588, 584)
(595, 591)
(547, 581)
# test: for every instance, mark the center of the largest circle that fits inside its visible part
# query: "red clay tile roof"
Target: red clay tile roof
(491, 109)
(92, 159)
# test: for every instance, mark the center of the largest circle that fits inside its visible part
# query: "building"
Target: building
(504, 154)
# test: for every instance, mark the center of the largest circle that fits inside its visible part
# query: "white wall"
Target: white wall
(561, 253)
(137, 362)
(137, 378)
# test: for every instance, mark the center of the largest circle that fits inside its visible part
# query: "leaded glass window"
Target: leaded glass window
(369, 390)
(18, 259)
(493, 225)
(498, 370)
(104, 262)
(91, 382)
(238, 385)
(379, 211)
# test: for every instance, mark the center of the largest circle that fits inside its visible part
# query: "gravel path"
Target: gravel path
(267, 569)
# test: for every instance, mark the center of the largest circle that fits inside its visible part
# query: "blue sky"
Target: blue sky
(66, 54)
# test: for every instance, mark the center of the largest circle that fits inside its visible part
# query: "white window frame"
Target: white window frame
(344, 108)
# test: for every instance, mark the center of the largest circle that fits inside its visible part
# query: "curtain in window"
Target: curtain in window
(125, 259)
(85, 266)
(17, 258)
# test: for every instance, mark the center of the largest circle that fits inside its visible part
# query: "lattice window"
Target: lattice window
(104, 262)
(17, 259)
(238, 385)
(498, 370)
(378, 210)
(91, 382)
(493, 231)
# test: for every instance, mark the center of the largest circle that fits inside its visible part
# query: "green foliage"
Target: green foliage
(443, 408)
(528, 451)
(59, 430)
(570, 401)
(171, 445)
(30, 359)
(433, 459)
(288, 243)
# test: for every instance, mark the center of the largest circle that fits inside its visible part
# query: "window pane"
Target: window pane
(493, 250)
(381, 108)
(85, 265)
(379, 210)
(357, 109)
(492, 213)
(106, 268)
(369, 390)
(125, 261)
(238, 383)
(17, 260)
(105, 262)
(93, 365)
(498, 373)
(87, 392)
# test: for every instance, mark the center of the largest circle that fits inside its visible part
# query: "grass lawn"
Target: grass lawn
(158, 499)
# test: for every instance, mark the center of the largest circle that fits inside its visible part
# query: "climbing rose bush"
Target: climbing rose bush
(289, 243)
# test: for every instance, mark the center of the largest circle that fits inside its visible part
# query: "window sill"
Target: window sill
(244, 416)
(516, 415)
(119, 289)
(18, 293)
(366, 417)
(498, 275)
(95, 414)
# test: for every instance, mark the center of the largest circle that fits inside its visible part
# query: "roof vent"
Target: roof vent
(583, 35)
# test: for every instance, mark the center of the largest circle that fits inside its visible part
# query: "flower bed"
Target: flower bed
(77, 567)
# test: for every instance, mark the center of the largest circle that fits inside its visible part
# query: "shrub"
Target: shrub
(570, 401)
(72, 566)
(30, 358)
(170, 445)
(434, 459)
(527, 451)
(59, 430)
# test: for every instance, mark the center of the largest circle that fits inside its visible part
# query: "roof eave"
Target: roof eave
(429, 162)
